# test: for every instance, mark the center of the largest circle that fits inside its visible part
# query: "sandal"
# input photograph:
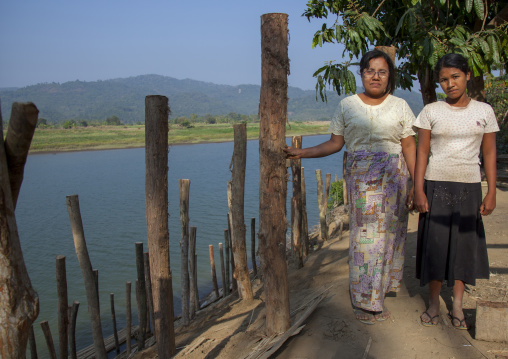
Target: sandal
(430, 323)
(359, 313)
(462, 323)
(382, 315)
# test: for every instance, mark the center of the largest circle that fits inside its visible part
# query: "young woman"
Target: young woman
(448, 193)
(376, 128)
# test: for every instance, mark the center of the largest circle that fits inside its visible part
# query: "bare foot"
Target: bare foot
(383, 315)
(364, 316)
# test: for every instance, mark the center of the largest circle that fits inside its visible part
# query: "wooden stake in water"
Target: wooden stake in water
(234, 284)
(223, 270)
(33, 345)
(253, 246)
(148, 283)
(321, 206)
(113, 319)
(226, 241)
(72, 329)
(63, 317)
(214, 274)
(141, 296)
(49, 339)
(192, 264)
(184, 185)
(128, 316)
(88, 275)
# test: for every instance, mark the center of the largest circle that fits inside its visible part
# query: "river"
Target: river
(110, 186)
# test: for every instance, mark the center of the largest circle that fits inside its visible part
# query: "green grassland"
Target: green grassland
(114, 137)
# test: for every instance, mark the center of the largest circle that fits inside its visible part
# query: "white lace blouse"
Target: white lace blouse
(376, 128)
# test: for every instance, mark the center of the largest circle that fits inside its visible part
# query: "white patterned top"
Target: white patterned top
(376, 128)
(455, 139)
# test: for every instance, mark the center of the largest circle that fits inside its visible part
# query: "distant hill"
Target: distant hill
(125, 98)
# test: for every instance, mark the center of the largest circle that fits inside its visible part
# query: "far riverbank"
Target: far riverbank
(133, 136)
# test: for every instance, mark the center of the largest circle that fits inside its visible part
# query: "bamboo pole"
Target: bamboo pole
(272, 170)
(192, 271)
(33, 344)
(234, 284)
(321, 206)
(19, 303)
(113, 319)
(184, 185)
(156, 203)
(49, 339)
(253, 246)
(72, 329)
(236, 199)
(296, 206)
(223, 270)
(63, 316)
(305, 223)
(141, 295)
(88, 276)
(214, 274)
(226, 245)
(149, 295)
(128, 317)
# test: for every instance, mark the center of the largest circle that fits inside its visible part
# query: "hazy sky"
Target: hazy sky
(214, 41)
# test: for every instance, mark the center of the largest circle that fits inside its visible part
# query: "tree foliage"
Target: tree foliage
(421, 30)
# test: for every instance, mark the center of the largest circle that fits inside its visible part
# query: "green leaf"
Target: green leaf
(414, 2)
(469, 5)
(479, 8)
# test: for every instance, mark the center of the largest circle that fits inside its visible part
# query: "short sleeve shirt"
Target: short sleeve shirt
(376, 128)
(455, 139)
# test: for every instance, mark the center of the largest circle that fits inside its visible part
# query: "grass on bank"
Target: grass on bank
(112, 137)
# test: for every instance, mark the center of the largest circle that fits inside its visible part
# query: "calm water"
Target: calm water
(110, 185)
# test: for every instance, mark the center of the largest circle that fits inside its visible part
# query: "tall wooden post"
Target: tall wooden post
(63, 316)
(19, 303)
(321, 206)
(237, 211)
(192, 271)
(184, 185)
(296, 206)
(92, 296)
(156, 202)
(305, 223)
(272, 169)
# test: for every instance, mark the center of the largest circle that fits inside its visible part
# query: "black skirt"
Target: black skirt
(451, 237)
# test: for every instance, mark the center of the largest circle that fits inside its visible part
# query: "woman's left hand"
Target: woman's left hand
(488, 204)
(409, 200)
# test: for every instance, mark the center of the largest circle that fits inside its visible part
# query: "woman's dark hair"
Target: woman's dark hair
(374, 54)
(451, 60)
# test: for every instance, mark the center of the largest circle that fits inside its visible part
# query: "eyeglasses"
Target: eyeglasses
(368, 73)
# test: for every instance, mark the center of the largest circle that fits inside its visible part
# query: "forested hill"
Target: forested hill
(125, 98)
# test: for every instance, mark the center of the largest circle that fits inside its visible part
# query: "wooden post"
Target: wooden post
(234, 285)
(141, 295)
(196, 281)
(72, 329)
(192, 264)
(183, 185)
(223, 270)
(63, 316)
(149, 295)
(113, 318)
(327, 192)
(237, 211)
(296, 206)
(272, 170)
(253, 246)
(33, 344)
(88, 276)
(128, 317)
(49, 339)
(321, 206)
(226, 242)
(19, 303)
(214, 274)
(305, 223)
(96, 281)
(156, 203)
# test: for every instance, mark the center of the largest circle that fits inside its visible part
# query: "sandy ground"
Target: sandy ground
(232, 328)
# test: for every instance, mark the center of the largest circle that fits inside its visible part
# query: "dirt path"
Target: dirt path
(231, 329)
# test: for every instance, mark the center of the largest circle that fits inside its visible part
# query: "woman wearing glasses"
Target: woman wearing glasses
(376, 128)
